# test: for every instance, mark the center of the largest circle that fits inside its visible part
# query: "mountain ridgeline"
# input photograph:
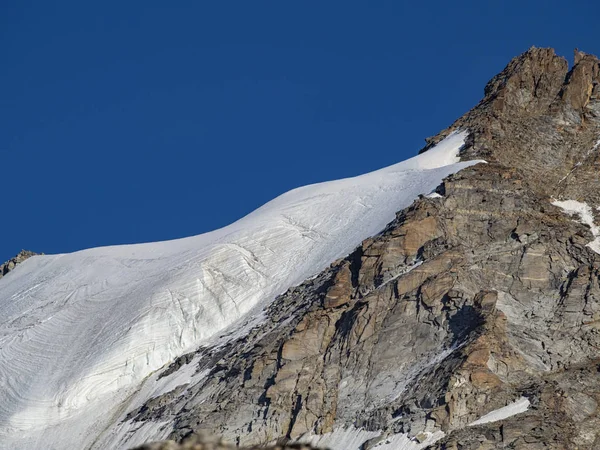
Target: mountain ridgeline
(472, 321)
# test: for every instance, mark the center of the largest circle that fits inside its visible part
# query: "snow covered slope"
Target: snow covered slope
(80, 331)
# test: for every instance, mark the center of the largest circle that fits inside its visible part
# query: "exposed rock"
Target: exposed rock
(12, 263)
(582, 82)
(528, 85)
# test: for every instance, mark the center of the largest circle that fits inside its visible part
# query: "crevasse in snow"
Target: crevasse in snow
(80, 331)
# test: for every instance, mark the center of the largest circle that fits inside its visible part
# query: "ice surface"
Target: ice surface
(518, 406)
(79, 332)
(583, 210)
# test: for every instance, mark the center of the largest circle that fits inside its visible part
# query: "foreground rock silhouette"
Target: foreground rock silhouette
(205, 442)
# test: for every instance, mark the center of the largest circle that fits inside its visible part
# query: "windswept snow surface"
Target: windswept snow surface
(79, 332)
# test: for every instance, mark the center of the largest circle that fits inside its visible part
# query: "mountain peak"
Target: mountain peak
(540, 118)
(579, 55)
(582, 84)
(539, 79)
(528, 84)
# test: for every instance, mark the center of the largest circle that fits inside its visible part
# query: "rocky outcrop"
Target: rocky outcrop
(467, 301)
(12, 263)
(528, 85)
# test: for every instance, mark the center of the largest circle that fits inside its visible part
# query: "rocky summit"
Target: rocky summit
(472, 321)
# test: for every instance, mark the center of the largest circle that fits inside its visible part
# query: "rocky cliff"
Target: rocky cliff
(482, 296)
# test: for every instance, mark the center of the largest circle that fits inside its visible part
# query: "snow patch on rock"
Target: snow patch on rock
(586, 216)
(517, 407)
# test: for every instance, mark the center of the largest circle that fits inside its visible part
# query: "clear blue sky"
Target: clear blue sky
(136, 121)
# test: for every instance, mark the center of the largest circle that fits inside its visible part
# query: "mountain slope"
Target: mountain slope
(80, 331)
(471, 322)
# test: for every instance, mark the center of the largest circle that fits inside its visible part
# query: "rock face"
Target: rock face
(466, 302)
(12, 263)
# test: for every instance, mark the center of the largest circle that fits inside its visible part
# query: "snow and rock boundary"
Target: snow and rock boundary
(82, 330)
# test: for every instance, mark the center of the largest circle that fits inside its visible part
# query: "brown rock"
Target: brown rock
(581, 81)
(341, 291)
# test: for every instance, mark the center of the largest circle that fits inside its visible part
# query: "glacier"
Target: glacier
(80, 332)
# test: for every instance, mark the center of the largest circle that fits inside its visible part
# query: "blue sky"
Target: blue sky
(128, 122)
